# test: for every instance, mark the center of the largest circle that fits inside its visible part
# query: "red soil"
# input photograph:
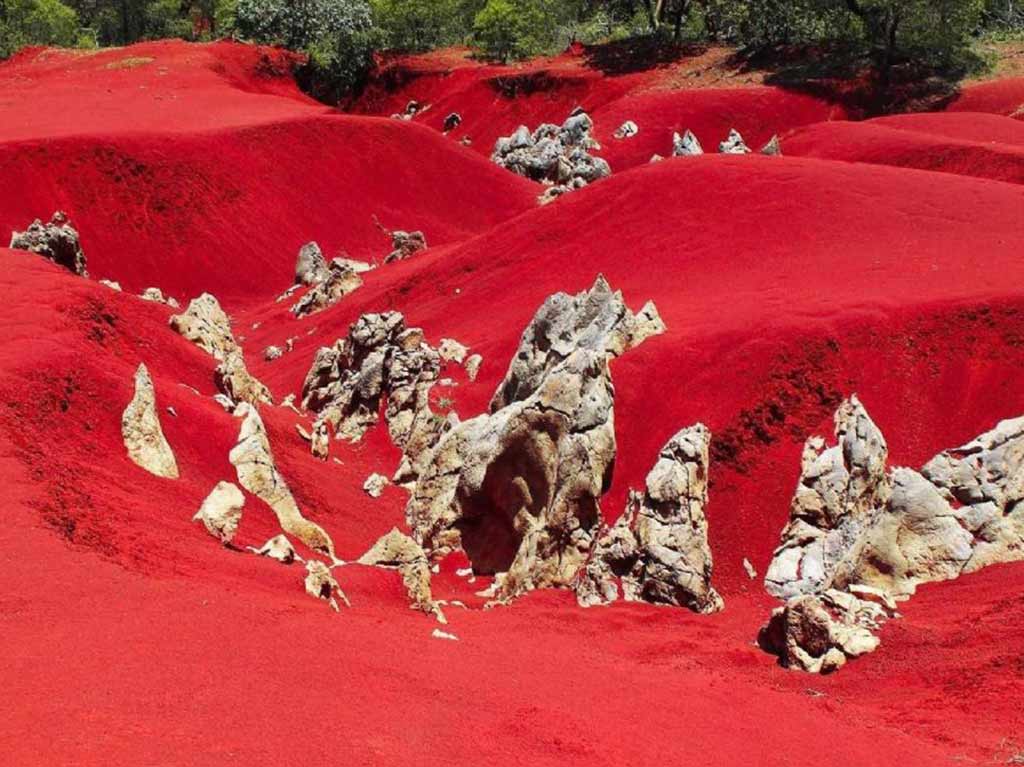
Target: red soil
(130, 637)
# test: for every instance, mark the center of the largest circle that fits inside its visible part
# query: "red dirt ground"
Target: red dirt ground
(131, 637)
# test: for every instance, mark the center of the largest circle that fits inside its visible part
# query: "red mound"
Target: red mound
(987, 146)
(131, 637)
(1001, 97)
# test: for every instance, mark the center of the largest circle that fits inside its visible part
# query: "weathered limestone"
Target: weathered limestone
(659, 547)
(839, 491)
(686, 145)
(397, 550)
(472, 366)
(157, 297)
(221, 512)
(405, 245)
(628, 129)
(734, 144)
(140, 429)
(340, 280)
(279, 548)
(258, 474)
(819, 632)
(234, 380)
(321, 584)
(518, 488)
(556, 155)
(310, 266)
(380, 358)
(375, 484)
(56, 241)
(206, 325)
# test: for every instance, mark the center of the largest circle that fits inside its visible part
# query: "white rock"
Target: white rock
(221, 512)
(140, 429)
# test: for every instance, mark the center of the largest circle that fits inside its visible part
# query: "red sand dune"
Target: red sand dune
(131, 637)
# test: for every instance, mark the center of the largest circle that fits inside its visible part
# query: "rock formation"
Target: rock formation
(279, 548)
(157, 296)
(375, 484)
(320, 584)
(206, 325)
(472, 366)
(340, 280)
(518, 488)
(380, 358)
(310, 266)
(773, 148)
(556, 155)
(140, 428)
(397, 550)
(819, 632)
(452, 351)
(659, 547)
(734, 144)
(686, 145)
(258, 474)
(56, 241)
(451, 122)
(628, 129)
(222, 511)
(235, 381)
(405, 245)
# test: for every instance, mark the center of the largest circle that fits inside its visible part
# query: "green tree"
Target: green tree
(36, 22)
(418, 25)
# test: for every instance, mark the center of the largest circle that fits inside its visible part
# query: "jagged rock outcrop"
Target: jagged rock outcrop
(405, 245)
(686, 145)
(340, 280)
(279, 548)
(773, 148)
(140, 429)
(518, 488)
(628, 129)
(206, 325)
(379, 358)
(734, 144)
(556, 155)
(221, 512)
(257, 473)
(397, 550)
(819, 632)
(854, 523)
(659, 547)
(310, 266)
(235, 381)
(56, 241)
(321, 584)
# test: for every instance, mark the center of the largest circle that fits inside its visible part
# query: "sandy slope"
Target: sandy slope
(130, 637)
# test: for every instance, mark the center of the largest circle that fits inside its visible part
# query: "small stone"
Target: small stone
(221, 512)
(279, 548)
(321, 584)
(375, 484)
(628, 129)
(438, 634)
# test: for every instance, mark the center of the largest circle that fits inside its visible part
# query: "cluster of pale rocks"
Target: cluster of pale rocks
(518, 487)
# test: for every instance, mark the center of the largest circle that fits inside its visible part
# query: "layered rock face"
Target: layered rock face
(518, 488)
(379, 358)
(57, 241)
(857, 528)
(734, 144)
(257, 473)
(556, 155)
(658, 549)
(140, 429)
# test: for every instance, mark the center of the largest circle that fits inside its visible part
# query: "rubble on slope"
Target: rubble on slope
(517, 488)
(236, 382)
(56, 241)
(659, 547)
(221, 511)
(257, 473)
(375, 484)
(553, 154)
(340, 280)
(157, 296)
(279, 548)
(140, 429)
(397, 550)
(206, 325)
(310, 266)
(405, 245)
(321, 584)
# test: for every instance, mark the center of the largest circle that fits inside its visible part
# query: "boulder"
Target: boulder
(472, 366)
(686, 145)
(236, 382)
(819, 632)
(140, 429)
(518, 488)
(272, 353)
(405, 245)
(321, 584)
(206, 325)
(659, 547)
(221, 512)
(628, 129)
(257, 473)
(452, 121)
(340, 280)
(310, 266)
(399, 551)
(451, 350)
(734, 144)
(279, 548)
(56, 241)
(374, 485)
(773, 148)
